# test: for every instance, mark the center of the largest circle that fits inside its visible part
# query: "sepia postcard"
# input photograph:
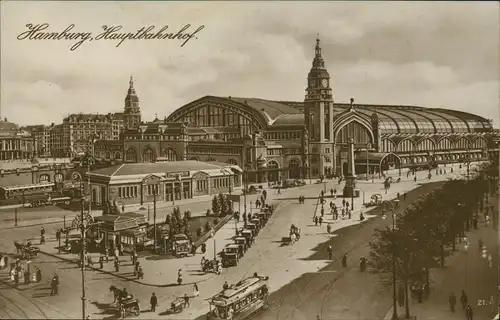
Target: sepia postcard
(230, 160)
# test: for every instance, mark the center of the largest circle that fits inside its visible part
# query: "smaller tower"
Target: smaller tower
(132, 112)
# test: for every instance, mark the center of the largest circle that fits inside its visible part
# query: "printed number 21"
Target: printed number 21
(481, 303)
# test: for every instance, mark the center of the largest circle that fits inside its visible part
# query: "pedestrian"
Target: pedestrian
(58, 235)
(463, 299)
(279, 191)
(54, 283)
(474, 222)
(186, 300)
(90, 263)
(468, 313)
(320, 220)
(140, 273)
(415, 179)
(316, 221)
(26, 277)
(154, 302)
(101, 262)
(328, 228)
(2, 263)
(38, 275)
(225, 286)
(452, 301)
(330, 252)
(401, 296)
(204, 245)
(179, 277)
(349, 213)
(347, 204)
(331, 192)
(202, 263)
(196, 291)
(322, 211)
(404, 197)
(42, 231)
(117, 265)
(344, 260)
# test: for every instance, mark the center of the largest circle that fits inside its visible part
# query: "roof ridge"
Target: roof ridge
(117, 169)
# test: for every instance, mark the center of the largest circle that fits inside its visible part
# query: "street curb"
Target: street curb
(32, 225)
(128, 279)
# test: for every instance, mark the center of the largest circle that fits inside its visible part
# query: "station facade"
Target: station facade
(276, 140)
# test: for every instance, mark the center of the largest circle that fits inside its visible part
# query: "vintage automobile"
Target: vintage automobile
(375, 200)
(256, 221)
(248, 234)
(242, 242)
(262, 217)
(181, 245)
(231, 255)
(253, 228)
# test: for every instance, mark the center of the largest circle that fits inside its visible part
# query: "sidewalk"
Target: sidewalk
(464, 270)
(156, 272)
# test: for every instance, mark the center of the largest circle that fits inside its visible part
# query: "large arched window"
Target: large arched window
(406, 145)
(445, 144)
(232, 161)
(171, 154)
(425, 145)
(131, 155)
(462, 143)
(354, 130)
(480, 143)
(272, 164)
(273, 170)
(108, 155)
(149, 155)
(118, 156)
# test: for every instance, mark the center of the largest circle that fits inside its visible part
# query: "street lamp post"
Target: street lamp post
(153, 187)
(466, 248)
(212, 235)
(393, 203)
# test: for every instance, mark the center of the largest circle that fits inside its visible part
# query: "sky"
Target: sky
(443, 55)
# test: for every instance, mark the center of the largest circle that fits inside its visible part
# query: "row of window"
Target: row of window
(201, 185)
(427, 144)
(218, 117)
(127, 192)
(221, 183)
(287, 135)
(425, 126)
(213, 150)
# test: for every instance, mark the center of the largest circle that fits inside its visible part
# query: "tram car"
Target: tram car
(240, 300)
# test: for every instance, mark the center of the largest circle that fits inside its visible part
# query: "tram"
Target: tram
(240, 300)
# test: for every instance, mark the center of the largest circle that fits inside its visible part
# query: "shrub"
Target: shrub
(208, 212)
(199, 231)
(208, 226)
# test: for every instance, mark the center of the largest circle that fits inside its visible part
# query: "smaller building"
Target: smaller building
(126, 231)
(139, 183)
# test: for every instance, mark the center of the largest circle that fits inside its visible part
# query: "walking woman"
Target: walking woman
(196, 291)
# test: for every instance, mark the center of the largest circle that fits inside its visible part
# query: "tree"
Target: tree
(223, 204)
(216, 205)
(168, 219)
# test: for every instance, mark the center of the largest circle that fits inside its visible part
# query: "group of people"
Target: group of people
(452, 300)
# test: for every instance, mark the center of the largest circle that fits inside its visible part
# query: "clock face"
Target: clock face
(324, 83)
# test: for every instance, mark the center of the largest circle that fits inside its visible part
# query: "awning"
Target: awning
(133, 233)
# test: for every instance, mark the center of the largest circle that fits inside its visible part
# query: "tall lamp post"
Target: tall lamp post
(84, 222)
(393, 204)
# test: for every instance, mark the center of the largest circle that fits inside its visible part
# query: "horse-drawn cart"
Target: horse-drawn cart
(129, 307)
(177, 305)
(26, 249)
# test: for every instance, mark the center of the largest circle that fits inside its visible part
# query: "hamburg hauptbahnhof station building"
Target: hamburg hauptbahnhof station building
(277, 140)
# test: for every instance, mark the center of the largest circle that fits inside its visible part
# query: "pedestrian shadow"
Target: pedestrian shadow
(106, 309)
(166, 312)
(40, 295)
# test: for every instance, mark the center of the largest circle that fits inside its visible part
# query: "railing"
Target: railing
(216, 228)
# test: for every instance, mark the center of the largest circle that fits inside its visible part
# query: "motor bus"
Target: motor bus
(240, 300)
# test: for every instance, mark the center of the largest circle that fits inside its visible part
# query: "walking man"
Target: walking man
(186, 300)
(54, 283)
(468, 313)
(330, 252)
(154, 302)
(463, 299)
(453, 301)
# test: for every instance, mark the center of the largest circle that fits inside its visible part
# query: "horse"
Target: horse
(19, 246)
(117, 293)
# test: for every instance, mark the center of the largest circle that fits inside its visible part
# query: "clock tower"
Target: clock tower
(131, 112)
(318, 114)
